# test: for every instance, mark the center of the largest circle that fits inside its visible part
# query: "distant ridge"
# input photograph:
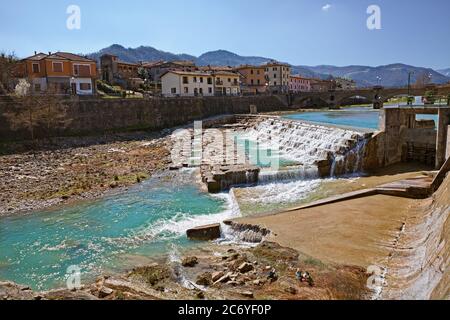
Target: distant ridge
(445, 72)
(388, 75)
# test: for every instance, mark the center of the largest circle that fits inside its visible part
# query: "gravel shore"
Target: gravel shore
(44, 174)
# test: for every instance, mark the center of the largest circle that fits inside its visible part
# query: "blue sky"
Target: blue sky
(301, 32)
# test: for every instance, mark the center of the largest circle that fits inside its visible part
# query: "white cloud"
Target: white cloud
(326, 7)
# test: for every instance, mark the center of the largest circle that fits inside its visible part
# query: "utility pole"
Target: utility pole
(409, 87)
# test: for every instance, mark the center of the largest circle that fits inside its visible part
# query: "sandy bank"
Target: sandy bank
(357, 232)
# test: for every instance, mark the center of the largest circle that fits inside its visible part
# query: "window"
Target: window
(259, 81)
(275, 83)
(81, 70)
(186, 90)
(201, 79)
(274, 75)
(57, 67)
(195, 79)
(209, 80)
(251, 71)
(35, 67)
(37, 87)
(85, 86)
(229, 79)
(209, 90)
(252, 81)
(201, 90)
(257, 71)
(185, 80)
(173, 90)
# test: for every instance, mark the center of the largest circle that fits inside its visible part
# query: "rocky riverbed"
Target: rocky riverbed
(71, 169)
(267, 271)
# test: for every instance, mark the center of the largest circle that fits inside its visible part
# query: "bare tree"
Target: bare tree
(422, 80)
(45, 111)
(8, 64)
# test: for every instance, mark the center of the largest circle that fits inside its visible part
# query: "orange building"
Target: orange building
(59, 72)
(253, 79)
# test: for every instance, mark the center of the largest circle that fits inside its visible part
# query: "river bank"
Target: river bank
(217, 272)
(67, 170)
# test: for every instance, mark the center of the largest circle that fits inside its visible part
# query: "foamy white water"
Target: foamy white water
(303, 142)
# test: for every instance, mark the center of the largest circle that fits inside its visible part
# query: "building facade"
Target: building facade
(319, 85)
(277, 76)
(199, 83)
(157, 68)
(345, 84)
(252, 78)
(60, 73)
(298, 83)
(226, 83)
(121, 73)
(184, 83)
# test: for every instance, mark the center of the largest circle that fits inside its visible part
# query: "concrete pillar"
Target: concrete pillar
(442, 136)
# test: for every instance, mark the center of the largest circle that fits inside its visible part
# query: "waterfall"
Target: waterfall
(351, 162)
(290, 174)
(308, 144)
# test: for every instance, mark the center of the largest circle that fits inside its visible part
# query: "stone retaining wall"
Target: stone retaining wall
(99, 116)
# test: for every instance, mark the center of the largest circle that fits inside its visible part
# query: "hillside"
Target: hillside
(388, 75)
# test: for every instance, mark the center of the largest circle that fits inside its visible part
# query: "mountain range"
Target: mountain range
(388, 75)
(445, 72)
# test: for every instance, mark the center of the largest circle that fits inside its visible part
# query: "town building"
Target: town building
(121, 73)
(156, 69)
(298, 83)
(199, 83)
(344, 84)
(59, 72)
(252, 78)
(226, 83)
(319, 85)
(277, 76)
(184, 83)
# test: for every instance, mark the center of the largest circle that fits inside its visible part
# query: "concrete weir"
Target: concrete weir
(222, 177)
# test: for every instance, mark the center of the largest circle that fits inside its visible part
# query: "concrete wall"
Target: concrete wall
(403, 138)
(98, 116)
(447, 153)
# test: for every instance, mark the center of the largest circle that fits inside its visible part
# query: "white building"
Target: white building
(199, 83)
(184, 83)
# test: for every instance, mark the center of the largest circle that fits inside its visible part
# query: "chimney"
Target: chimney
(49, 53)
(35, 53)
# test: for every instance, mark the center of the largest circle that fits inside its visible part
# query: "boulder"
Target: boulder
(189, 262)
(104, 292)
(217, 275)
(204, 279)
(204, 233)
(245, 267)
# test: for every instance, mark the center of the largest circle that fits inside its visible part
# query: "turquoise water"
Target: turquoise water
(358, 117)
(37, 249)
